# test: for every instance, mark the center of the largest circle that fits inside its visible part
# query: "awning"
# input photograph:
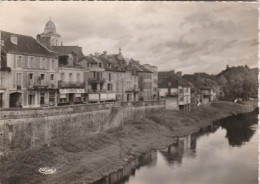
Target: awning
(103, 97)
(111, 96)
(93, 97)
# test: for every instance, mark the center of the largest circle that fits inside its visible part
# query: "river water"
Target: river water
(225, 152)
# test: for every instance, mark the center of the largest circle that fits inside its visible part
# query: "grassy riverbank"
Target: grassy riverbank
(88, 159)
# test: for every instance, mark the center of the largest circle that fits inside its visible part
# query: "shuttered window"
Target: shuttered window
(19, 62)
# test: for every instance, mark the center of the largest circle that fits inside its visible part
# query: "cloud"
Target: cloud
(187, 36)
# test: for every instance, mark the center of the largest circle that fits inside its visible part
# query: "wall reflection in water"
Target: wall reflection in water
(122, 175)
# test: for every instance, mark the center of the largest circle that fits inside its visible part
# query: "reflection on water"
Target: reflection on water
(239, 133)
(122, 175)
(225, 152)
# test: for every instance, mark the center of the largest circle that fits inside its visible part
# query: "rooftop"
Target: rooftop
(24, 45)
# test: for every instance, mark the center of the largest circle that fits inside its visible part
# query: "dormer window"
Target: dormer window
(14, 39)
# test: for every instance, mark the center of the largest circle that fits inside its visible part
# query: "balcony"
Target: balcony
(97, 80)
(41, 85)
(96, 90)
(134, 89)
(62, 84)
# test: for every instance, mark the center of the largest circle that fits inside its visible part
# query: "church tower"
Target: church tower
(49, 37)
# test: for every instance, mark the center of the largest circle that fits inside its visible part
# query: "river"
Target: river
(226, 152)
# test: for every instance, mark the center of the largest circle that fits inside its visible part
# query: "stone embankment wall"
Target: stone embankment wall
(24, 129)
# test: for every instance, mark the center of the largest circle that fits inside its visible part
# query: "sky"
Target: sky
(181, 36)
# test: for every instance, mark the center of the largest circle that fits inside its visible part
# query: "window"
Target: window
(70, 77)
(30, 77)
(30, 62)
(109, 76)
(99, 64)
(53, 64)
(62, 76)
(109, 87)
(43, 63)
(42, 98)
(19, 61)
(52, 76)
(19, 80)
(42, 76)
(34, 63)
(78, 77)
(181, 90)
(31, 99)
(1, 100)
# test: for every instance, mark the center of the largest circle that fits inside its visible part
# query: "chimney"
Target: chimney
(13, 39)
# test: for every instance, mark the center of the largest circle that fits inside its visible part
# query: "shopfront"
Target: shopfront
(71, 96)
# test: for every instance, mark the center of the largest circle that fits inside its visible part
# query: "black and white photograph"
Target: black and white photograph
(129, 92)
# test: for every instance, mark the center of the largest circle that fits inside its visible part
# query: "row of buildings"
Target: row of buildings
(182, 92)
(42, 72)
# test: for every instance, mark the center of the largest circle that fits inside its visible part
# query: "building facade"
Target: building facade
(155, 90)
(175, 90)
(109, 78)
(33, 69)
(145, 80)
(70, 82)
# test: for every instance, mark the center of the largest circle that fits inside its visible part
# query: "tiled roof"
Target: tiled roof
(69, 49)
(198, 81)
(113, 62)
(25, 45)
(138, 67)
(165, 77)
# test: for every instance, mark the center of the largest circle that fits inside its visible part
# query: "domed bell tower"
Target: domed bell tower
(49, 37)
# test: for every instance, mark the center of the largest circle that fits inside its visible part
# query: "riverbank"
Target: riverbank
(86, 160)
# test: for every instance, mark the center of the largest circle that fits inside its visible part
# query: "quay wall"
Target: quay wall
(24, 129)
